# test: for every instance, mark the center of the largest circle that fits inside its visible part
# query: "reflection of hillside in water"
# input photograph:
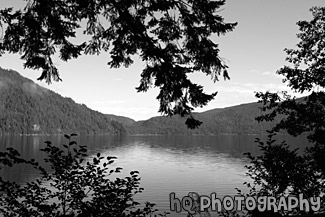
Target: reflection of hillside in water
(29, 148)
(201, 151)
(234, 145)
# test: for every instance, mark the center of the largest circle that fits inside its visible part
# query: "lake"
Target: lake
(180, 164)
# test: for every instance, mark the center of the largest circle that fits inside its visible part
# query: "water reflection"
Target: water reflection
(179, 164)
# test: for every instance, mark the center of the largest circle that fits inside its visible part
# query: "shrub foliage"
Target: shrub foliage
(73, 187)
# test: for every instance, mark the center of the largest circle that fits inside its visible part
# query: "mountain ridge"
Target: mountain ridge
(28, 108)
(122, 119)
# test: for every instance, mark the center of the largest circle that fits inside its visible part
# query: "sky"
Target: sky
(254, 51)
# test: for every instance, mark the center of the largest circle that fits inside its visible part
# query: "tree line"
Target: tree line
(27, 108)
(173, 44)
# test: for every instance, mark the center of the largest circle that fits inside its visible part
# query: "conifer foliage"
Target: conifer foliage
(172, 37)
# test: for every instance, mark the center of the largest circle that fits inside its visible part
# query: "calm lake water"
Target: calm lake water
(180, 164)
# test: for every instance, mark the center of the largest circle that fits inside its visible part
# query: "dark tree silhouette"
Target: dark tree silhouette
(304, 115)
(173, 38)
(80, 187)
(279, 170)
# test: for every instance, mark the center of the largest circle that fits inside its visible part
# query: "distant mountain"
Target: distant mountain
(27, 108)
(231, 120)
(123, 120)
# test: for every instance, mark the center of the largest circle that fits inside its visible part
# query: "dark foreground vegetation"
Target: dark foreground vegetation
(76, 185)
(84, 189)
(280, 171)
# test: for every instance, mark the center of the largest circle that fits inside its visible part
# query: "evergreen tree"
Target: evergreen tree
(172, 37)
(280, 171)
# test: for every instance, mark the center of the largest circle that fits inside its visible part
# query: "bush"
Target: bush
(77, 188)
(279, 171)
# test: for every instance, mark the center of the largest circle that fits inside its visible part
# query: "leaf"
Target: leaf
(110, 157)
(192, 123)
(72, 143)
(47, 142)
(134, 172)
(118, 169)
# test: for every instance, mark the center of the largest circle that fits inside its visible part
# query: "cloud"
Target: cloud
(34, 88)
(123, 108)
(136, 113)
(268, 73)
(241, 91)
(108, 102)
(250, 88)
(55, 86)
(30, 87)
(272, 74)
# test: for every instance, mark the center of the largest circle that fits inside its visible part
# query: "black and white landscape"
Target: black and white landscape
(134, 108)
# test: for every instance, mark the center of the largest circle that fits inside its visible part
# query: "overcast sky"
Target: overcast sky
(253, 52)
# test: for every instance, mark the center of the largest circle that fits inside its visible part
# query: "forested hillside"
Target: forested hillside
(123, 120)
(233, 120)
(27, 108)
